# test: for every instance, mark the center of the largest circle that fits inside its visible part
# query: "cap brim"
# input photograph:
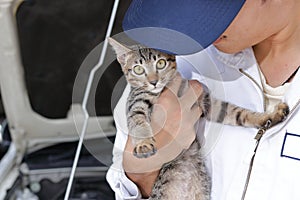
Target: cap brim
(179, 26)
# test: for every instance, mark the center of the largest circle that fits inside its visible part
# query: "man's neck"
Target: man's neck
(279, 55)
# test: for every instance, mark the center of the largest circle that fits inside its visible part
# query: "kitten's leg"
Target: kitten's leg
(227, 113)
(141, 132)
(183, 178)
(243, 117)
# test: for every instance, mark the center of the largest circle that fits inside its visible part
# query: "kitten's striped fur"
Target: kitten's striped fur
(147, 82)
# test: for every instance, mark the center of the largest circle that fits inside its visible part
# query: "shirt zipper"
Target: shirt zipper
(258, 136)
(255, 82)
(260, 132)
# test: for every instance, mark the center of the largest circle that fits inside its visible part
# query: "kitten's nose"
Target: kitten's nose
(153, 82)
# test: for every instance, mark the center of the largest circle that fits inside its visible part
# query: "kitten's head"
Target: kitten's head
(143, 67)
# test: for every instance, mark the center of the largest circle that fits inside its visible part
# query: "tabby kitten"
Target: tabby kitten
(148, 71)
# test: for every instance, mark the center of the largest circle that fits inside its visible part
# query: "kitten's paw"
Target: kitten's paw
(145, 148)
(280, 113)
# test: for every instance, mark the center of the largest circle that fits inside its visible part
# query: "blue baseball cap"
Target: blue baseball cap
(179, 26)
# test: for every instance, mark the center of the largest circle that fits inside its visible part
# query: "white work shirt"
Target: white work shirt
(228, 150)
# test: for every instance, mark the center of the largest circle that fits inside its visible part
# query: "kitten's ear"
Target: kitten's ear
(120, 50)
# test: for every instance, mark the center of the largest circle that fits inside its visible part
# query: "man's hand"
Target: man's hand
(173, 119)
(176, 116)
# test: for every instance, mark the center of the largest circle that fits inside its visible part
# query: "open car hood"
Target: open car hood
(28, 128)
(32, 130)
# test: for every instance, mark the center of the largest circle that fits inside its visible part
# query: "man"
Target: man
(255, 47)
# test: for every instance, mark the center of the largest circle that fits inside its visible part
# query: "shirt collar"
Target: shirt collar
(292, 97)
(246, 61)
(241, 60)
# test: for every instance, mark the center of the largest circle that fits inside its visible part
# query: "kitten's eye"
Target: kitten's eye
(138, 69)
(161, 64)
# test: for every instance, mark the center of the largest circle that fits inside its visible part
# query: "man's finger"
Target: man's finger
(175, 84)
(196, 113)
(192, 94)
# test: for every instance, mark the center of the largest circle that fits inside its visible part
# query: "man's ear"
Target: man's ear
(120, 49)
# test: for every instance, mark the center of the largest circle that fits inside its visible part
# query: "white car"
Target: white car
(42, 46)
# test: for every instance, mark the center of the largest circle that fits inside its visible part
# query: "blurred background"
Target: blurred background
(55, 36)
